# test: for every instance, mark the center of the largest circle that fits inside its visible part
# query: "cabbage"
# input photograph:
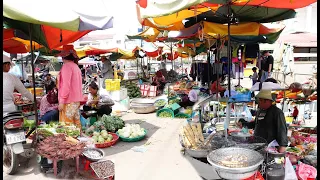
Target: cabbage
(104, 131)
(134, 134)
(126, 134)
(96, 133)
(95, 138)
(105, 135)
(101, 139)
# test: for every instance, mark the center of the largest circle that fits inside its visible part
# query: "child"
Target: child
(254, 77)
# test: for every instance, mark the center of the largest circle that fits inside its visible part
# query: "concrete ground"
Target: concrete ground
(161, 160)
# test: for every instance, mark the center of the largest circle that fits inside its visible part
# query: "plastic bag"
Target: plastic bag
(305, 172)
(248, 114)
(83, 121)
(290, 174)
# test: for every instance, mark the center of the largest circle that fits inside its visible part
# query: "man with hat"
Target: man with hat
(270, 122)
(10, 84)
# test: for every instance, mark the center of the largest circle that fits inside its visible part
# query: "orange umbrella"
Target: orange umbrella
(16, 45)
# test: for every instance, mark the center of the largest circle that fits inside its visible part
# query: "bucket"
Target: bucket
(278, 158)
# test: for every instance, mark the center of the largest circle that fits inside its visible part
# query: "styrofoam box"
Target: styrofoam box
(119, 95)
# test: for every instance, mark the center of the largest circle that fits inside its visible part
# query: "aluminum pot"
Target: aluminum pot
(143, 109)
(199, 153)
(255, 159)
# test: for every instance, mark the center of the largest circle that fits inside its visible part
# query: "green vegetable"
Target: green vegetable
(160, 103)
(112, 123)
(165, 114)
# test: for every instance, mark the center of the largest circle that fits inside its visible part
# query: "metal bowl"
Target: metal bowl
(199, 153)
(255, 159)
(143, 109)
(95, 149)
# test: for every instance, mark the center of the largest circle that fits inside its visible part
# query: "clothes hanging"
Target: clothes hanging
(252, 50)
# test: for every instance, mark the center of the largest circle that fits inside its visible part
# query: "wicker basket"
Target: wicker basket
(108, 144)
(139, 138)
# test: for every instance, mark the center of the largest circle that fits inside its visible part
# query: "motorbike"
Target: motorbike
(15, 145)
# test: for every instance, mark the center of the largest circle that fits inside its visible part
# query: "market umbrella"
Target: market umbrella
(56, 23)
(245, 10)
(67, 17)
(14, 45)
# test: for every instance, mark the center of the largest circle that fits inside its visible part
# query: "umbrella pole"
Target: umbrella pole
(227, 121)
(33, 77)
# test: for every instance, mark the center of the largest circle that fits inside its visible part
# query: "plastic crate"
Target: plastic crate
(117, 84)
(165, 110)
(241, 97)
(108, 84)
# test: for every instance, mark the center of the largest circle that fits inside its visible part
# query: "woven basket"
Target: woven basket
(108, 144)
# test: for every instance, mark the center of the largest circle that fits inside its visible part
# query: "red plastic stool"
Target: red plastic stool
(256, 176)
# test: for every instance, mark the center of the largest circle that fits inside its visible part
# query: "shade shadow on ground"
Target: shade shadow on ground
(124, 146)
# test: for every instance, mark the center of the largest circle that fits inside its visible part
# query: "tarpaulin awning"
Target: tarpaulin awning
(72, 15)
(47, 36)
(158, 8)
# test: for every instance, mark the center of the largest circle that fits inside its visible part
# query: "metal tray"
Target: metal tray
(95, 170)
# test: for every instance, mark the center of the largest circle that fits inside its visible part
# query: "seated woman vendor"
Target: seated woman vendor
(49, 106)
(159, 81)
(102, 104)
(214, 87)
(191, 99)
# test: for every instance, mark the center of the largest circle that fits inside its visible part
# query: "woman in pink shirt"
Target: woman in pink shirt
(70, 87)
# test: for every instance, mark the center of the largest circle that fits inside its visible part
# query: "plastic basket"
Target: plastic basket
(165, 110)
(155, 103)
(289, 120)
(108, 144)
(139, 138)
(241, 97)
(182, 116)
(175, 108)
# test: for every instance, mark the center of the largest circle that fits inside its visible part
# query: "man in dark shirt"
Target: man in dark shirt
(270, 122)
(266, 65)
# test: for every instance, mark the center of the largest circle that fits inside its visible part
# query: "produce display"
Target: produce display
(160, 103)
(29, 123)
(192, 136)
(109, 123)
(242, 90)
(60, 147)
(131, 131)
(181, 116)
(176, 100)
(103, 169)
(133, 90)
(101, 137)
(165, 114)
(308, 130)
(47, 130)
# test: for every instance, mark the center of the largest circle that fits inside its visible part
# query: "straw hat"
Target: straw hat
(265, 94)
(67, 50)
